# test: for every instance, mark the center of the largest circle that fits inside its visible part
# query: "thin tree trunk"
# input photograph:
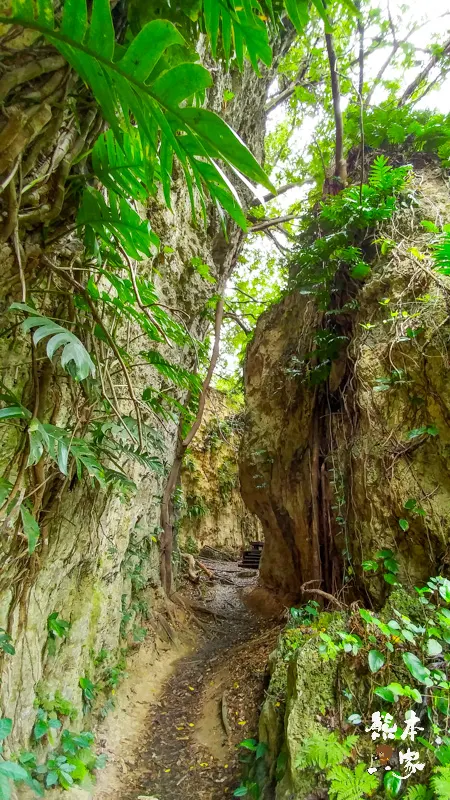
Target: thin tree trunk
(340, 169)
(182, 445)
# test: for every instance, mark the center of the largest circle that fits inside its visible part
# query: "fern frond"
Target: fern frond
(442, 255)
(178, 375)
(379, 170)
(115, 222)
(349, 784)
(166, 406)
(419, 793)
(240, 23)
(325, 751)
(124, 168)
(383, 176)
(440, 782)
(153, 463)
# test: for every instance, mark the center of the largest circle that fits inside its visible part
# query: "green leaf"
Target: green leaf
(298, 12)
(250, 744)
(12, 770)
(319, 5)
(5, 788)
(30, 528)
(6, 642)
(416, 668)
(360, 271)
(14, 411)
(5, 727)
(101, 30)
(74, 353)
(404, 524)
(181, 82)
(390, 578)
(392, 565)
(126, 167)
(434, 648)
(241, 791)
(440, 782)
(178, 375)
(376, 660)
(148, 46)
(410, 504)
(429, 226)
(370, 565)
(385, 694)
(261, 749)
(392, 784)
(215, 133)
(418, 793)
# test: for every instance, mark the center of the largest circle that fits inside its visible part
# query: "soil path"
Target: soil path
(209, 704)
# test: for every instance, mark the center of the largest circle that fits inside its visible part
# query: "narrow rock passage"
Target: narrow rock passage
(209, 704)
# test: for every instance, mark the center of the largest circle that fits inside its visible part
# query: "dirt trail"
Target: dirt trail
(208, 705)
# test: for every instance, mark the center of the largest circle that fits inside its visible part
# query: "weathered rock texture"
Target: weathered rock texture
(97, 564)
(213, 511)
(328, 468)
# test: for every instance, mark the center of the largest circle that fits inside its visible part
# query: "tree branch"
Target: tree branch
(271, 195)
(434, 60)
(182, 445)
(236, 318)
(212, 365)
(269, 223)
(283, 250)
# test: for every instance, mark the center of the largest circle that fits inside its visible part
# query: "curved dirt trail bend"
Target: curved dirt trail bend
(207, 706)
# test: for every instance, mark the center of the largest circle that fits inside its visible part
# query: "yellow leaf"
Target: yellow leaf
(235, 685)
(242, 722)
(167, 770)
(203, 764)
(191, 724)
(192, 688)
(180, 727)
(277, 705)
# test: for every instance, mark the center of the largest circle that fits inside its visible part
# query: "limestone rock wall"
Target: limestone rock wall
(329, 468)
(97, 565)
(213, 512)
